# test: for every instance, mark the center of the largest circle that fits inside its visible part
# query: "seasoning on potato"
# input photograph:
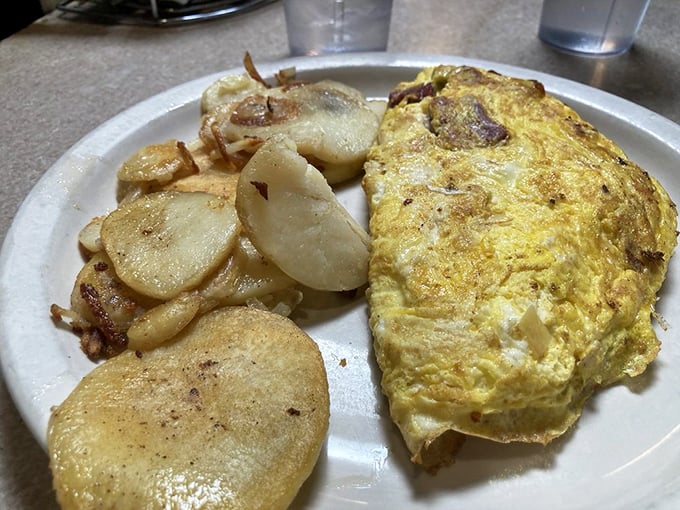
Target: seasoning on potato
(230, 414)
(175, 248)
(207, 394)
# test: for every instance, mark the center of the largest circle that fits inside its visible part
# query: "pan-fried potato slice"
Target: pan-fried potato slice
(119, 303)
(233, 414)
(332, 124)
(292, 216)
(228, 89)
(218, 99)
(89, 236)
(222, 184)
(102, 308)
(246, 275)
(208, 159)
(158, 162)
(281, 302)
(162, 322)
(165, 243)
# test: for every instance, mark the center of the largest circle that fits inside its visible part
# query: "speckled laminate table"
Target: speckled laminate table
(62, 78)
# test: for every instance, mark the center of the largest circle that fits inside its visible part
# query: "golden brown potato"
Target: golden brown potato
(158, 162)
(247, 274)
(163, 322)
(332, 124)
(102, 308)
(222, 184)
(89, 236)
(231, 414)
(229, 89)
(165, 243)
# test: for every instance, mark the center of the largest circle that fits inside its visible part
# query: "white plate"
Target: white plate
(623, 453)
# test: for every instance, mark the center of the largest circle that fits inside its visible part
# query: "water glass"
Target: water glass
(333, 26)
(595, 27)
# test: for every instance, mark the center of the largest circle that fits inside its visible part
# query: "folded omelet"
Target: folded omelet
(516, 256)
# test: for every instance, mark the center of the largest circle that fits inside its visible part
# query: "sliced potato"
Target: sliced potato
(332, 124)
(89, 236)
(236, 153)
(104, 308)
(246, 275)
(162, 322)
(218, 100)
(281, 302)
(158, 162)
(131, 191)
(292, 216)
(233, 414)
(222, 184)
(207, 158)
(119, 303)
(229, 88)
(165, 243)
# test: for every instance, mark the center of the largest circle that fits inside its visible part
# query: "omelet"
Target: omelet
(515, 261)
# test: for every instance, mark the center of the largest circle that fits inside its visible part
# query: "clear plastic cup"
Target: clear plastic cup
(333, 26)
(595, 27)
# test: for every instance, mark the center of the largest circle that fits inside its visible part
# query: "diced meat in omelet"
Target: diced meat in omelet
(516, 256)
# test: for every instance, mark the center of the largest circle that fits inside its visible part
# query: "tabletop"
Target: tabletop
(62, 77)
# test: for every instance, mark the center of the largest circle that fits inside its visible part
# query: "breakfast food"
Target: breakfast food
(207, 396)
(315, 234)
(332, 124)
(242, 215)
(191, 233)
(516, 257)
(230, 414)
